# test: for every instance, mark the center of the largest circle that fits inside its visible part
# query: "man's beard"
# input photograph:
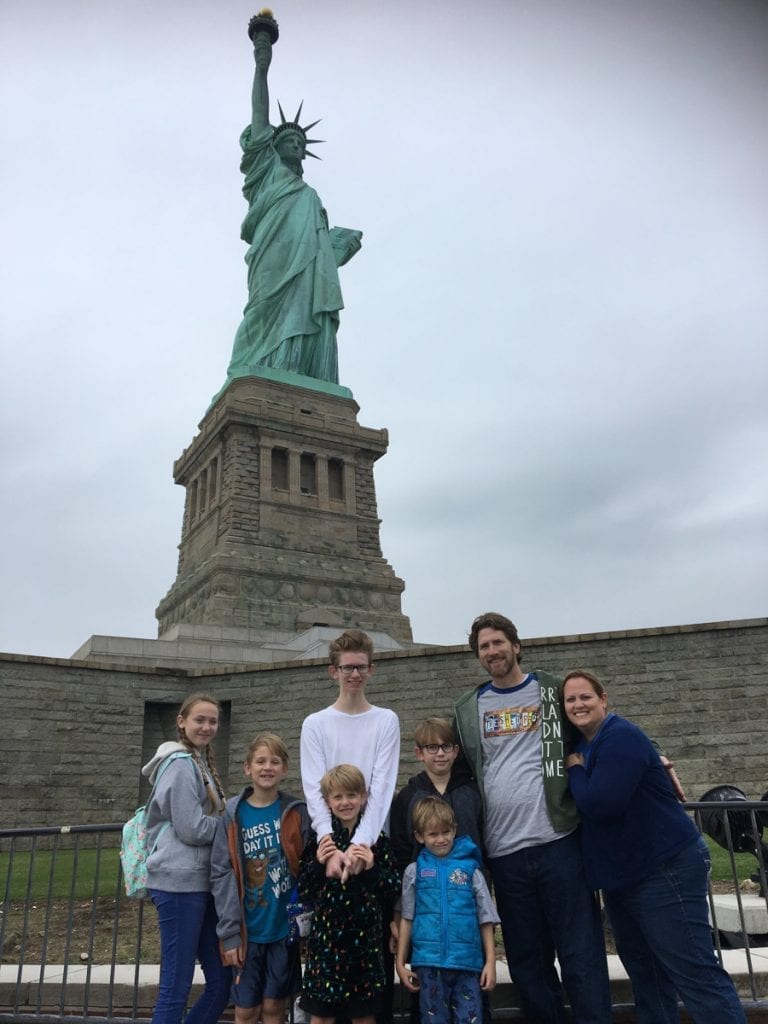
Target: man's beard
(499, 666)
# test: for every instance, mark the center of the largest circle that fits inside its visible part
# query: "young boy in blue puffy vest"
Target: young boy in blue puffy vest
(447, 921)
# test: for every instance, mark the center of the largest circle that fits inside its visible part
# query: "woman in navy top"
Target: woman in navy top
(641, 848)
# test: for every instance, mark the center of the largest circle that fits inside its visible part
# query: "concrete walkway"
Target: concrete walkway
(144, 979)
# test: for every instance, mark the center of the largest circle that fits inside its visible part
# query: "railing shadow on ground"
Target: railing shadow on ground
(73, 948)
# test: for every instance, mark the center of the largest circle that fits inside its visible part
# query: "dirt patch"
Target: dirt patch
(61, 931)
(105, 931)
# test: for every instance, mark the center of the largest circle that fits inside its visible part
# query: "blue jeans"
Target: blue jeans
(188, 933)
(545, 908)
(664, 940)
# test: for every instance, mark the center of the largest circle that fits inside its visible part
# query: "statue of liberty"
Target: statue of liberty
(290, 320)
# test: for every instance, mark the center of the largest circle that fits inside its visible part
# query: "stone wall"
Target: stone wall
(75, 734)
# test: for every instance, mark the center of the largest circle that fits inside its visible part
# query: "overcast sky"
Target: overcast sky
(559, 312)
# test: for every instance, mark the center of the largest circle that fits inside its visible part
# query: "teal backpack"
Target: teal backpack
(133, 846)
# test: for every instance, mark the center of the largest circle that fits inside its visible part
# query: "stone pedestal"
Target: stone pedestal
(280, 527)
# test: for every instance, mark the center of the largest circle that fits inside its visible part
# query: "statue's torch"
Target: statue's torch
(263, 22)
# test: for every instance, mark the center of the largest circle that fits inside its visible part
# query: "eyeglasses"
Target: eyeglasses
(347, 670)
(432, 748)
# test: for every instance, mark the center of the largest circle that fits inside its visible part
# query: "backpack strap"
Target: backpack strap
(166, 764)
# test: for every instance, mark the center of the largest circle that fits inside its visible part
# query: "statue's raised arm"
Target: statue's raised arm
(289, 324)
(262, 55)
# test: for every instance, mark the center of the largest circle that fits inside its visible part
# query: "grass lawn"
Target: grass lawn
(52, 873)
(722, 870)
(55, 874)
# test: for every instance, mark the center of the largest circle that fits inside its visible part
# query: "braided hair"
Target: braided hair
(184, 710)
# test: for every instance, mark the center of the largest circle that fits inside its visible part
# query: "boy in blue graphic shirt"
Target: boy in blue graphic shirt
(447, 917)
(254, 865)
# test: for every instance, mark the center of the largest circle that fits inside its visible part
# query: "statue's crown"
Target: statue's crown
(294, 126)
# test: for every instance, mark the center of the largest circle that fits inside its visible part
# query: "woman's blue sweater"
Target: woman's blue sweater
(631, 820)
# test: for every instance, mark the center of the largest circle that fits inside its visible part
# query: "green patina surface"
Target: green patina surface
(288, 330)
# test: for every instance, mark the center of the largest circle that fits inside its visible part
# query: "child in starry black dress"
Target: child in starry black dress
(344, 972)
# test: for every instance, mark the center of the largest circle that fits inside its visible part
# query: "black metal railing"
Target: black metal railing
(71, 944)
(736, 825)
(74, 948)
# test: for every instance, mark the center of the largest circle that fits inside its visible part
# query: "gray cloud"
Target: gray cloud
(559, 311)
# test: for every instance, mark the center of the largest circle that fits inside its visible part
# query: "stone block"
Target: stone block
(727, 913)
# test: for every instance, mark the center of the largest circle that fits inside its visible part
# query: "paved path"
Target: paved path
(127, 976)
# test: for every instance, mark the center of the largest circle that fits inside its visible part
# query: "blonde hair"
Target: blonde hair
(344, 777)
(432, 809)
(272, 742)
(184, 711)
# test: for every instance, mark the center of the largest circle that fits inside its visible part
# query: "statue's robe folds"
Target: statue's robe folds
(294, 296)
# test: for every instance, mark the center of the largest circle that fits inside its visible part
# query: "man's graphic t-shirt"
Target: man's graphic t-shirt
(510, 734)
(268, 880)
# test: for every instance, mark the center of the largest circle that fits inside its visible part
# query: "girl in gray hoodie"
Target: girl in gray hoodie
(181, 820)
